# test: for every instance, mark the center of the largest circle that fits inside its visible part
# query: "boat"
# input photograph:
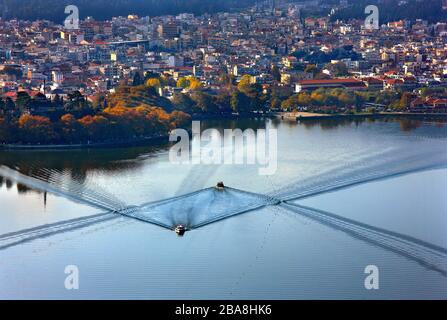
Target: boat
(220, 186)
(180, 230)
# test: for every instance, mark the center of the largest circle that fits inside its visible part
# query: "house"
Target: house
(430, 104)
(373, 83)
(347, 83)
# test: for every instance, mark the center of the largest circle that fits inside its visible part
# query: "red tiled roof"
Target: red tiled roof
(393, 81)
(330, 81)
(373, 80)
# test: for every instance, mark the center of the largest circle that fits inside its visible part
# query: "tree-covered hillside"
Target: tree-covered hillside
(105, 9)
(392, 10)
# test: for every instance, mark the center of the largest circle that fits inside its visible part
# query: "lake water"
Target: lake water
(356, 194)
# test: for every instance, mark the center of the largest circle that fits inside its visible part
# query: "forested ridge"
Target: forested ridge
(392, 10)
(105, 9)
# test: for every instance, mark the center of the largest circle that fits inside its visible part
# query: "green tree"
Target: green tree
(404, 101)
(240, 102)
(304, 99)
(276, 73)
(311, 68)
(338, 69)
(23, 100)
(205, 102)
(183, 102)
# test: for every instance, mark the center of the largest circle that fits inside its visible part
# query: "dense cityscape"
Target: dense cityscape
(223, 158)
(139, 77)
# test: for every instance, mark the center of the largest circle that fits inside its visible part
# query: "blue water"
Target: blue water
(268, 253)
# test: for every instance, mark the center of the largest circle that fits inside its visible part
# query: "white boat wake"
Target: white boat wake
(203, 207)
(429, 255)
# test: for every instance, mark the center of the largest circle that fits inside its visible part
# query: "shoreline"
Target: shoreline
(127, 143)
(299, 117)
(305, 116)
(98, 145)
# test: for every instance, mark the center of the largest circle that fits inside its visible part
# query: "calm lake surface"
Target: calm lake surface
(393, 174)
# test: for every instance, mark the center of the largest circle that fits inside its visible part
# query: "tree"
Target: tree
(245, 83)
(96, 127)
(322, 76)
(153, 82)
(346, 99)
(304, 99)
(252, 91)
(225, 80)
(338, 69)
(311, 68)
(71, 129)
(275, 102)
(318, 97)
(40, 102)
(183, 82)
(386, 98)
(9, 104)
(223, 101)
(23, 100)
(36, 129)
(205, 102)
(194, 84)
(77, 103)
(240, 102)
(291, 103)
(183, 102)
(404, 101)
(359, 101)
(179, 119)
(5, 131)
(276, 73)
(137, 80)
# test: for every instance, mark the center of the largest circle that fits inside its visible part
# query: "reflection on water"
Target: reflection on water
(78, 163)
(406, 124)
(82, 161)
(303, 258)
(21, 188)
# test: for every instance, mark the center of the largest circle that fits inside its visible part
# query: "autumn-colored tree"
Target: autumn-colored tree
(96, 127)
(275, 102)
(36, 129)
(71, 129)
(304, 100)
(318, 97)
(183, 83)
(194, 84)
(346, 99)
(153, 82)
(291, 103)
(245, 83)
(179, 119)
(404, 101)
